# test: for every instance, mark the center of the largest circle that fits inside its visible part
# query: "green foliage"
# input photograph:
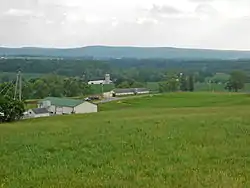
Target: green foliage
(130, 84)
(237, 81)
(50, 85)
(10, 76)
(190, 83)
(220, 78)
(97, 89)
(174, 83)
(150, 144)
(183, 83)
(170, 84)
(11, 110)
(141, 70)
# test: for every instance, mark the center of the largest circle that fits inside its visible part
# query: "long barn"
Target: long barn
(61, 106)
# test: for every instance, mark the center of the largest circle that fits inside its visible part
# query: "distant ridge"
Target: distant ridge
(105, 52)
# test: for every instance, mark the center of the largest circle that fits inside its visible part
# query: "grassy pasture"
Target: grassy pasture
(200, 87)
(179, 100)
(173, 140)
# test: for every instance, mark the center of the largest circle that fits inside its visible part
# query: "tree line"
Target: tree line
(62, 86)
(48, 85)
(141, 70)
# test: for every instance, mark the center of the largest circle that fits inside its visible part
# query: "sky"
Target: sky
(213, 24)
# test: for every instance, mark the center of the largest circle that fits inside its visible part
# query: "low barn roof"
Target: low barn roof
(141, 89)
(129, 90)
(40, 110)
(124, 90)
(63, 102)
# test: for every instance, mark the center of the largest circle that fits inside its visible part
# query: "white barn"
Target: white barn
(106, 80)
(61, 106)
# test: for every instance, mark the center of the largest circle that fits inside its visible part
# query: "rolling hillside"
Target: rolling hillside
(104, 52)
(174, 140)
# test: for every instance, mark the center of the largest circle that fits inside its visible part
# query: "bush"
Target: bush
(10, 109)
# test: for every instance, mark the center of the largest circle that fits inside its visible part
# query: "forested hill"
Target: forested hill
(104, 52)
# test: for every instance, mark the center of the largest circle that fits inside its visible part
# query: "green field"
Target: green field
(173, 140)
(204, 87)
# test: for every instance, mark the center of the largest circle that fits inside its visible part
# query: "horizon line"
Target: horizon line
(121, 46)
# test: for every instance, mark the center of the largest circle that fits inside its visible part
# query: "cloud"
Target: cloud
(64, 23)
(201, 1)
(165, 10)
(206, 10)
(18, 12)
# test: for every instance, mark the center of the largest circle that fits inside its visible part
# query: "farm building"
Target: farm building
(61, 106)
(107, 94)
(122, 92)
(101, 82)
(130, 91)
(142, 91)
(37, 112)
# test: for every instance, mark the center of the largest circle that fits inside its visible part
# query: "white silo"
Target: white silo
(46, 104)
(107, 78)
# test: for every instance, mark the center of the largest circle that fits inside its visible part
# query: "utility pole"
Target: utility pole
(18, 86)
(102, 89)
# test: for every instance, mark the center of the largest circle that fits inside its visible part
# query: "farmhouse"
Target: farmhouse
(61, 106)
(130, 91)
(37, 112)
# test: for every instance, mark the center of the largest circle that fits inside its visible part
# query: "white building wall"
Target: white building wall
(122, 94)
(52, 109)
(42, 115)
(59, 110)
(86, 107)
(96, 82)
(31, 114)
(143, 92)
(108, 95)
(67, 110)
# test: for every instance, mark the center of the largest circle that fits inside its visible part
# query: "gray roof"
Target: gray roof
(124, 90)
(40, 110)
(63, 102)
(141, 89)
(128, 90)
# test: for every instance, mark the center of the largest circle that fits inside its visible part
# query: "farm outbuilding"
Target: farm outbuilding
(130, 91)
(37, 112)
(61, 106)
(101, 82)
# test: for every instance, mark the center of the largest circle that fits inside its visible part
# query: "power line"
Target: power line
(4, 88)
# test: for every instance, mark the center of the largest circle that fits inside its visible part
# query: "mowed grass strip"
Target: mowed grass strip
(134, 147)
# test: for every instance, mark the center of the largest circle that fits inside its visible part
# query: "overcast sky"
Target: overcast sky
(220, 24)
